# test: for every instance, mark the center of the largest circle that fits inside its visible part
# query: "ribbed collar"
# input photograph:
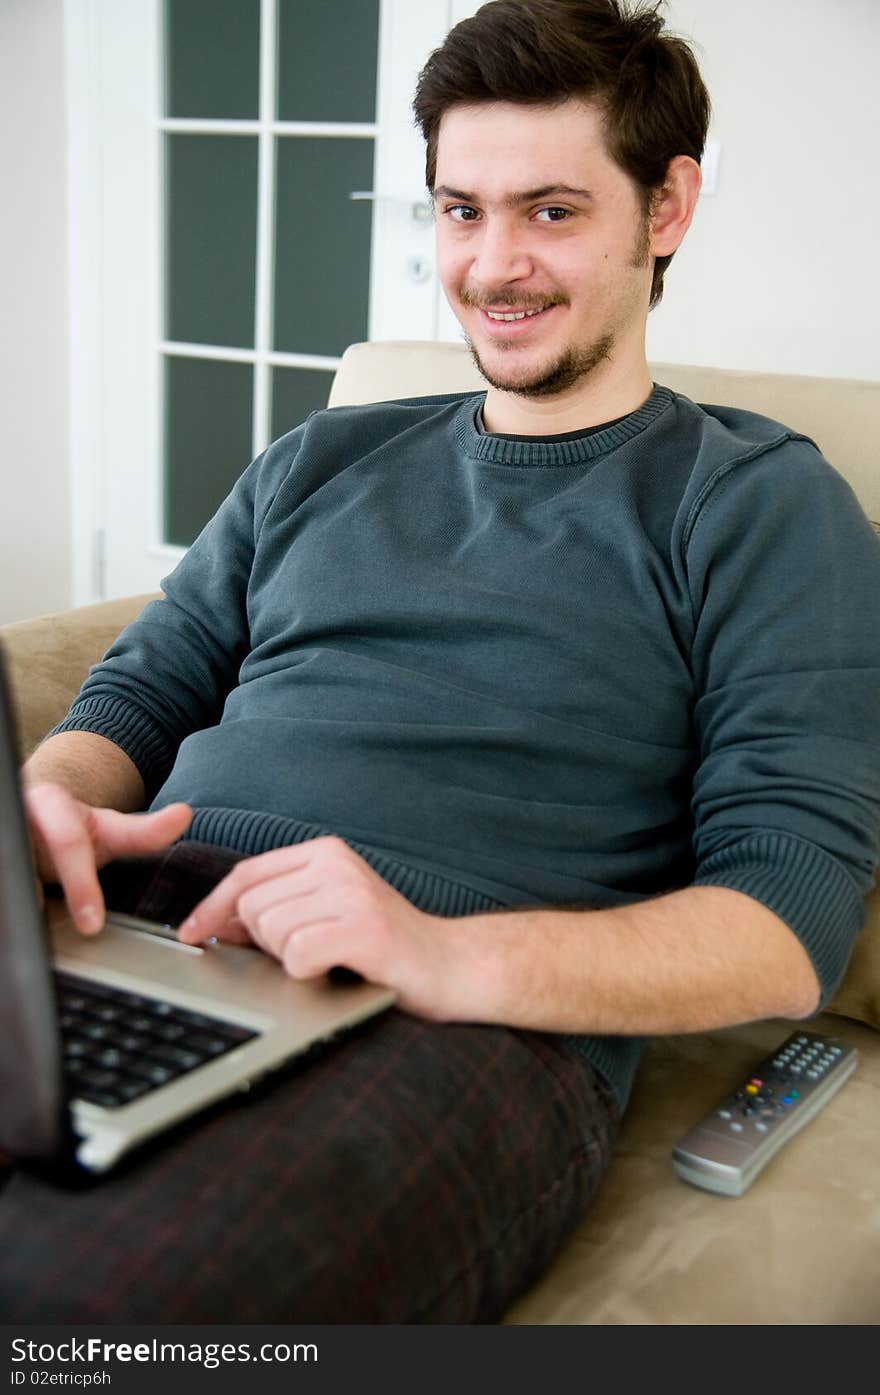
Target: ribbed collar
(495, 450)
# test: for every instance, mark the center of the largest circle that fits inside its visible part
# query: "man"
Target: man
(545, 708)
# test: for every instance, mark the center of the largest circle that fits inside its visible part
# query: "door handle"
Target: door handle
(420, 210)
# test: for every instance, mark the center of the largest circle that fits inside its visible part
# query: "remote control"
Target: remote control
(727, 1149)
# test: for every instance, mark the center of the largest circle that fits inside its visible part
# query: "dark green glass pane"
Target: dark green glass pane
(327, 58)
(208, 415)
(322, 244)
(212, 59)
(210, 239)
(295, 393)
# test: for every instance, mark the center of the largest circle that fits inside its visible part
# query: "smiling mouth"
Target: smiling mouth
(516, 314)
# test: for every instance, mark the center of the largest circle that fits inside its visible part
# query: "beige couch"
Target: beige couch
(803, 1245)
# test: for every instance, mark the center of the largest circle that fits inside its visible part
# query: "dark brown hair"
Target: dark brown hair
(616, 54)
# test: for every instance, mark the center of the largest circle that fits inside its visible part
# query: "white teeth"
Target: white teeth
(515, 314)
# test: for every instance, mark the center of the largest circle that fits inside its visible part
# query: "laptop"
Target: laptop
(110, 1040)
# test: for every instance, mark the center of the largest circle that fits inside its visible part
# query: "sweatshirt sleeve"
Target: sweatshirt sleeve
(784, 574)
(169, 672)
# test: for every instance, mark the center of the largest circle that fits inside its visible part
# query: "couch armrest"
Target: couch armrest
(47, 660)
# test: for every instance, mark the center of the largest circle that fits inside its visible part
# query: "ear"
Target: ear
(673, 206)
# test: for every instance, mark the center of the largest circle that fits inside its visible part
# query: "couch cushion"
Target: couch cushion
(48, 658)
(801, 1246)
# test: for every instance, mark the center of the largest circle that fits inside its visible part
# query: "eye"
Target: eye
(553, 215)
(461, 213)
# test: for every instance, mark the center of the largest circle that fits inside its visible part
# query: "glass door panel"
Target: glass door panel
(317, 38)
(207, 419)
(225, 80)
(322, 244)
(210, 239)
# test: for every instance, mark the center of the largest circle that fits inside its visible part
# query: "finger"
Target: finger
(314, 948)
(130, 835)
(212, 914)
(59, 827)
(253, 904)
(272, 922)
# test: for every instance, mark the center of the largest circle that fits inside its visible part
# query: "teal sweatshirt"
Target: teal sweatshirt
(514, 673)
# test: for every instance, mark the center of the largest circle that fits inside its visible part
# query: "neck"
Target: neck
(601, 396)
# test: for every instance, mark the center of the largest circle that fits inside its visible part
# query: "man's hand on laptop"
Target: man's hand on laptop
(72, 840)
(318, 905)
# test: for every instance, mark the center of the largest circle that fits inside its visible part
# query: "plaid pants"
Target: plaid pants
(414, 1173)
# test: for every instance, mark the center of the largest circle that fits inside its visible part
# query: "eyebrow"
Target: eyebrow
(443, 191)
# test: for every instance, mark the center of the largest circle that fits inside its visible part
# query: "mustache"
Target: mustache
(505, 296)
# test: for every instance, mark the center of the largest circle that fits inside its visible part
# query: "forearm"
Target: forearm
(90, 767)
(695, 959)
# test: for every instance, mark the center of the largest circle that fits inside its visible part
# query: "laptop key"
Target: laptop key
(131, 1042)
(169, 1031)
(95, 1031)
(153, 1072)
(109, 1012)
(177, 1057)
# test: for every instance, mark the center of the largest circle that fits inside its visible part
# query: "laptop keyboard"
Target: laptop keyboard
(118, 1045)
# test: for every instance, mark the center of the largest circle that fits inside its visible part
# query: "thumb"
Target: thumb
(129, 835)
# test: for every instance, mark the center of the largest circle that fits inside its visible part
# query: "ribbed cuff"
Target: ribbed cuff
(129, 728)
(251, 832)
(805, 886)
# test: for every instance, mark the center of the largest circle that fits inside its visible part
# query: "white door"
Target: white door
(219, 262)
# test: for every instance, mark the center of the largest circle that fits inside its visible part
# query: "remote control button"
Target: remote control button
(761, 1127)
(724, 1114)
(736, 1128)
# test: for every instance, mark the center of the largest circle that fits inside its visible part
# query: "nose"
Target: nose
(501, 255)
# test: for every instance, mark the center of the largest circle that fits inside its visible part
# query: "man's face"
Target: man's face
(535, 220)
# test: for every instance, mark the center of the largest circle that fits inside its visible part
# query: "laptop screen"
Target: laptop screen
(33, 1116)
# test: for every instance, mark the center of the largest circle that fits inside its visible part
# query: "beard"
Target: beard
(573, 364)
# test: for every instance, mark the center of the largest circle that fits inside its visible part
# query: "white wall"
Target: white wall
(778, 271)
(34, 503)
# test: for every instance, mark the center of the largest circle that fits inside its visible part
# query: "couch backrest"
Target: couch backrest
(841, 415)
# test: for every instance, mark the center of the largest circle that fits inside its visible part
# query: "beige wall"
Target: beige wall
(34, 513)
(778, 270)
